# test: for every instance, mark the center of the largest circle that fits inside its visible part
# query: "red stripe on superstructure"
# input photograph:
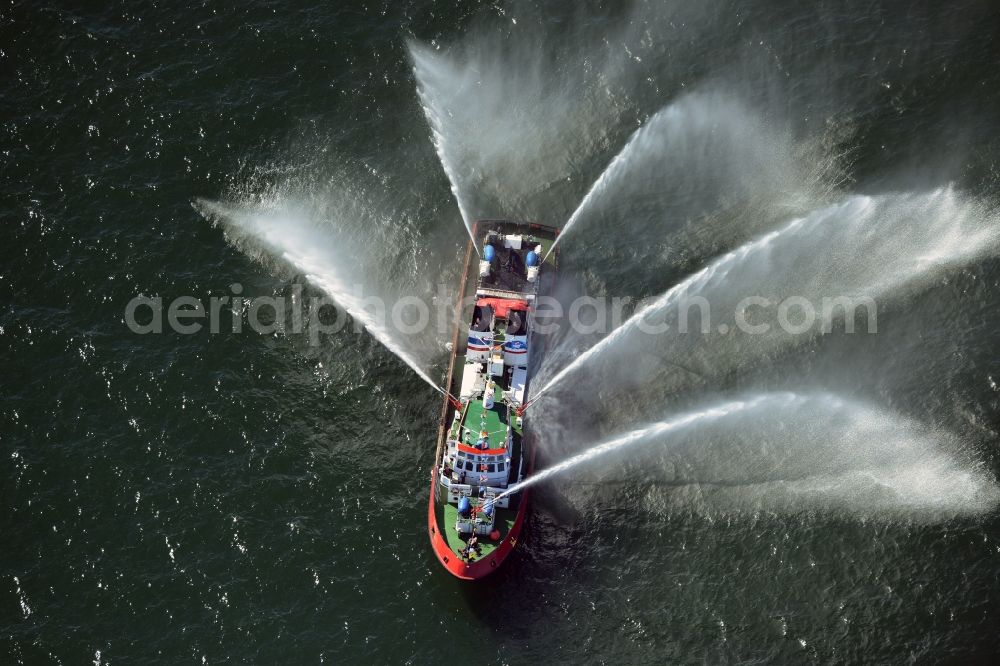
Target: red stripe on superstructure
(482, 452)
(503, 306)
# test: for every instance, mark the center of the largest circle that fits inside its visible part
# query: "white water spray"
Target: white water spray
(705, 152)
(517, 112)
(427, 103)
(311, 253)
(863, 247)
(640, 435)
(717, 267)
(616, 164)
(796, 451)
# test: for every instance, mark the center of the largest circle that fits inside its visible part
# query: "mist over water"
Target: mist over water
(345, 240)
(706, 415)
(865, 247)
(502, 125)
(427, 101)
(790, 453)
(713, 179)
(706, 169)
(703, 153)
(522, 115)
(308, 250)
(233, 498)
(716, 181)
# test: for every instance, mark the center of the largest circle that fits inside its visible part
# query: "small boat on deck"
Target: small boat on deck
(483, 449)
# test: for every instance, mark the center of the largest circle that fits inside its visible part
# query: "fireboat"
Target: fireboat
(483, 448)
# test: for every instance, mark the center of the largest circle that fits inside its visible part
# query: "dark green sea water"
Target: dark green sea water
(256, 499)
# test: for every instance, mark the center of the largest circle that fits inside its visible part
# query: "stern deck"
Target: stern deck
(449, 515)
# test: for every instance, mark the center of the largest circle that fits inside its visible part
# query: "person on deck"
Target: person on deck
(471, 549)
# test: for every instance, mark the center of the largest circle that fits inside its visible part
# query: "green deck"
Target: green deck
(504, 522)
(495, 422)
(496, 427)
